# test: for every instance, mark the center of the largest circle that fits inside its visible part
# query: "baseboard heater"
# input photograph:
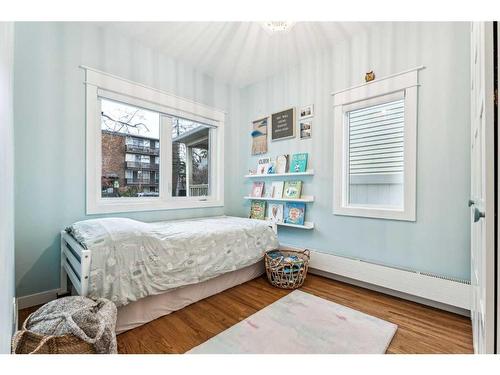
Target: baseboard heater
(441, 289)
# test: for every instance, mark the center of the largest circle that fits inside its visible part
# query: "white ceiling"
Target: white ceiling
(239, 53)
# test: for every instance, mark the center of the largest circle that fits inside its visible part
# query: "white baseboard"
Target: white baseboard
(391, 292)
(36, 299)
(428, 288)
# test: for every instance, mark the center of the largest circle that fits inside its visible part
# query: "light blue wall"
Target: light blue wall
(50, 131)
(50, 139)
(7, 284)
(439, 240)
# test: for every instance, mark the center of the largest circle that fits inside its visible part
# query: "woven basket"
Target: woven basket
(286, 273)
(28, 342)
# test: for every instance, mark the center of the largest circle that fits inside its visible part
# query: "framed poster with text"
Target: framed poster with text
(283, 124)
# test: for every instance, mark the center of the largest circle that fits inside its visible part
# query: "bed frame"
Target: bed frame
(75, 264)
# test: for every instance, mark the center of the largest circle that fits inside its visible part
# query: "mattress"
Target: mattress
(132, 260)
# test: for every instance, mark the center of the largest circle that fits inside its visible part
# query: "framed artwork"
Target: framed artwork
(305, 128)
(307, 111)
(259, 136)
(283, 124)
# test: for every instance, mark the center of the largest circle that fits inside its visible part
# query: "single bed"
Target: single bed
(151, 269)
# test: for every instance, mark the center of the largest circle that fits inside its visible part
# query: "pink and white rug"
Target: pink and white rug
(301, 323)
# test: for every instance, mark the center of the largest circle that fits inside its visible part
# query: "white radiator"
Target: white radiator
(425, 285)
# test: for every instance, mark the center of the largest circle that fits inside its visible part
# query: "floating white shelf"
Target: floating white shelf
(305, 199)
(309, 172)
(307, 225)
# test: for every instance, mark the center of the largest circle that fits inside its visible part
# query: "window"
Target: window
(148, 150)
(125, 133)
(375, 148)
(376, 154)
(190, 158)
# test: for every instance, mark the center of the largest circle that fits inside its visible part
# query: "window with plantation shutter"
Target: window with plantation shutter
(376, 139)
(376, 154)
(375, 148)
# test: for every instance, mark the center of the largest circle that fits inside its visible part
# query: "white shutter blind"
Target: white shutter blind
(376, 139)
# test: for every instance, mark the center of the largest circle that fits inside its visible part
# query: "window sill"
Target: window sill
(114, 207)
(376, 213)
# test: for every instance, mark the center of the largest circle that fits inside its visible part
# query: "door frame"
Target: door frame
(491, 205)
(483, 41)
(496, 114)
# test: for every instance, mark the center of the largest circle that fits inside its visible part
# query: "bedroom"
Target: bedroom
(172, 167)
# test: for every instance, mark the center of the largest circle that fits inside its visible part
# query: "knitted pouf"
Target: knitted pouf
(69, 325)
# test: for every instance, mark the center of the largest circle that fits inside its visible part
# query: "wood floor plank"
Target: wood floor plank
(421, 329)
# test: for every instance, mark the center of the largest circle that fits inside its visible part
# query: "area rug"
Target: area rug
(301, 323)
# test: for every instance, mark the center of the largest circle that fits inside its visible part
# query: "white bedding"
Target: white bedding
(132, 259)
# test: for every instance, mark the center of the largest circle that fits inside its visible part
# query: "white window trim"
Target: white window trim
(101, 84)
(407, 84)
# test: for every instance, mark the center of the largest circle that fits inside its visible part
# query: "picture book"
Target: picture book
(263, 165)
(277, 188)
(275, 212)
(281, 164)
(258, 210)
(292, 189)
(295, 213)
(257, 189)
(271, 166)
(268, 191)
(298, 163)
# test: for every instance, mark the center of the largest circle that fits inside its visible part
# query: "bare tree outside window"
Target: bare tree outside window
(130, 145)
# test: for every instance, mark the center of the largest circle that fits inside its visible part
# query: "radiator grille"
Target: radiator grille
(429, 274)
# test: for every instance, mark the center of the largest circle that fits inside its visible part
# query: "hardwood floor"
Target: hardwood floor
(421, 329)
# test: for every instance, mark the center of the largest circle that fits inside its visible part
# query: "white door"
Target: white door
(482, 188)
(498, 191)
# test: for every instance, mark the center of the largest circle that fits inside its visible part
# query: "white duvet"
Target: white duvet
(132, 259)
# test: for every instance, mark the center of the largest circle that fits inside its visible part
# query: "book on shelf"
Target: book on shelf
(258, 210)
(292, 189)
(277, 188)
(271, 166)
(298, 163)
(268, 191)
(257, 189)
(281, 164)
(275, 212)
(263, 165)
(295, 213)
